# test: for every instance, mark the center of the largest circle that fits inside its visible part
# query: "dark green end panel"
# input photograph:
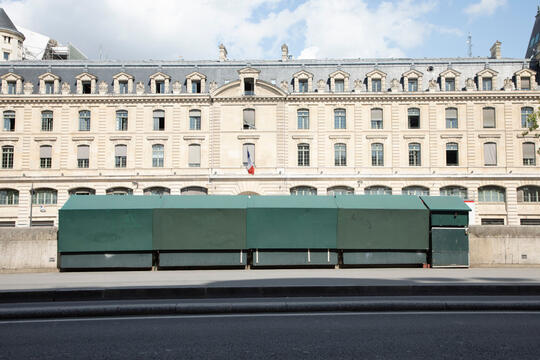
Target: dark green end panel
(447, 210)
(450, 259)
(106, 261)
(383, 258)
(202, 259)
(294, 258)
(458, 219)
(449, 239)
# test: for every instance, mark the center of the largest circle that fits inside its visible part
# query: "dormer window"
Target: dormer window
(249, 86)
(487, 79)
(339, 81)
(159, 83)
(450, 84)
(449, 79)
(86, 87)
(49, 87)
(160, 87)
(339, 85)
(525, 79)
(123, 83)
(303, 85)
(12, 86)
(412, 80)
(195, 83)
(195, 86)
(413, 84)
(376, 85)
(487, 84)
(123, 87)
(49, 83)
(525, 83)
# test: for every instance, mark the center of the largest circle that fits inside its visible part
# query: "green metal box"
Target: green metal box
(450, 247)
(106, 261)
(294, 258)
(447, 210)
(202, 258)
(384, 258)
(382, 222)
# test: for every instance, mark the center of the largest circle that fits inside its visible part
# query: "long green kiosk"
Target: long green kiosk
(382, 230)
(201, 231)
(292, 230)
(106, 231)
(449, 238)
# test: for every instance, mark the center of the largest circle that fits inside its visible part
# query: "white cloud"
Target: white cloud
(484, 7)
(162, 29)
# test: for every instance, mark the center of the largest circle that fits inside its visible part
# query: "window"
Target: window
(82, 191)
(489, 117)
(7, 39)
(12, 86)
(303, 154)
(450, 84)
(157, 155)
(376, 118)
(526, 112)
(157, 190)
(49, 87)
(83, 156)
(492, 221)
(339, 85)
(84, 120)
(525, 83)
(491, 194)
(452, 158)
(414, 154)
(249, 86)
(377, 154)
(303, 85)
(415, 190)
(119, 191)
(196, 86)
(194, 190)
(9, 197)
(86, 87)
(340, 120)
(340, 155)
(9, 120)
(160, 87)
(121, 120)
(46, 121)
(123, 87)
(303, 190)
(194, 154)
(487, 84)
(120, 156)
(530, 221)
(376, 85)
(44, 197)
(195, 120)
(451, 115)
(413, 84)
(159, 120)
(490, 154)
(528, 193)
(378, 190)
(248, 148)
(458, 191)
(529, 154)
(7, 157)
(414, 118)
(45, 156)
(340, 190)
(249, 119)
(6, 56)
(303, 119)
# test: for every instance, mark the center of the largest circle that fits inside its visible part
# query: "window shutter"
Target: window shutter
(251, 149)
(195, 113)
(249, 118)
(376, 114)
(525, 83)
(451, 113)
(45, 151)
(83, 151)
(194, 154)
(520, 195)
(528, 151)
(120, 150)
(490, 154)
(489, 117)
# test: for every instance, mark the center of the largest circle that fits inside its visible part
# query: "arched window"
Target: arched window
(525, 113)
(377, 154)
(248, 149)
(83, 156)
(376, 118)
(303, 154)
(303, 190)
(119, 191)
(7, 157)
(157, 190)
(378, 190)
(529, 154)
(121, 120)
(120, 156)
(528, 193)
(413, 116)
(488, 117)
(458, 191)
(452, 158)
(195, 119)
(303, 119)
(249, 119)
(340, 119)
(44, 196)
(491, 194)
(84, 120)
(9, 120)
(340, 190)
(414, 154)
(82, 191)
(194, 155)
(194, 190)
(45, 156)
(415, 190)
(340, 154)
(9, 197)
(47, 120)
(157, 155)
(451, 115)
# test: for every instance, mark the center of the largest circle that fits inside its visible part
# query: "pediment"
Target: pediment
(450, 73)
(303, 74)
(123, 76)
(248, 70)
(263, 88)
(159, 76)
(196, 76)
(48, 76)
(339, 74)
(85, 77)
(489, 72)
(376, 73)
(11, 77)
(525, 72)
(412, 74)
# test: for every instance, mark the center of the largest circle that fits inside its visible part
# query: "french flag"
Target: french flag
(250, 167)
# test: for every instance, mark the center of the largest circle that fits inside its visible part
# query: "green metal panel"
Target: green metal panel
(450, 259)
(449, 239)
(383, 258)
(206, 258)
(294, 258)
(200, 223)
(382, 222)
(291, 222)
(450, 219)
(103, 261)
(447, 210)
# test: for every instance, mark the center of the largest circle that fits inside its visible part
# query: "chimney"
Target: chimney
(496, 50)
(222, 52)
(284, 52)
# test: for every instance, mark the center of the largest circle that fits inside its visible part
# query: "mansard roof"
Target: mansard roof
(7, 24)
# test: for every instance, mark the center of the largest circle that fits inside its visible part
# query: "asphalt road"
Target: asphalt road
(276, 336)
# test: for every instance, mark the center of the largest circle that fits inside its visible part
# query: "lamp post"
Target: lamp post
(31, 203)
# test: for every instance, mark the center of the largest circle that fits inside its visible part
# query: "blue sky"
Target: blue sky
(255, 29)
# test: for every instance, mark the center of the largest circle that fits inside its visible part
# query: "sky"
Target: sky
(255, 29)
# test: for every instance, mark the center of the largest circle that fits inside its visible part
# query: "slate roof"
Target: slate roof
(7, 24)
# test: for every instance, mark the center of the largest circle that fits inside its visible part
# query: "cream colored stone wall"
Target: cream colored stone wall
(14, 49)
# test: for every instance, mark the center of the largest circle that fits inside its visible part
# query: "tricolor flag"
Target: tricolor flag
(250, 167)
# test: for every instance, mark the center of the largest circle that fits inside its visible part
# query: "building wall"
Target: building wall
(13, 46)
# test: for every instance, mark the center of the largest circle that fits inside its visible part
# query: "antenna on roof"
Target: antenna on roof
(469, 45)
